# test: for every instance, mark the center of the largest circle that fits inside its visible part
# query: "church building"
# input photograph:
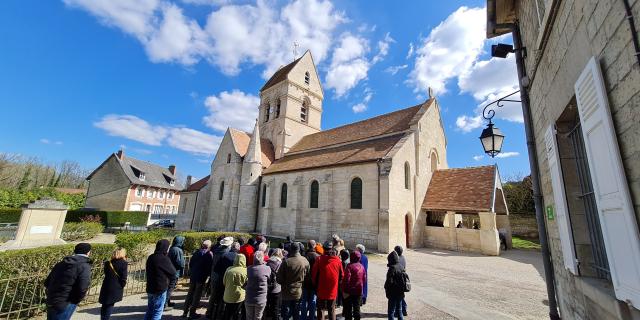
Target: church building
(364, 181)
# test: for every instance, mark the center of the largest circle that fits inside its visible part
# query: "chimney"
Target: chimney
(120, 154)
(188, 183)
(172, 169)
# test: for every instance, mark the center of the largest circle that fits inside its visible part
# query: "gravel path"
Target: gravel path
(445, 285)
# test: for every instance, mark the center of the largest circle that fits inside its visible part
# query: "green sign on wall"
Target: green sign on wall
(550, 212)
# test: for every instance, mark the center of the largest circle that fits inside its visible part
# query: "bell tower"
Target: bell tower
(291, 104)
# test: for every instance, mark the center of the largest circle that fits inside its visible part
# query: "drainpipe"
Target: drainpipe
(632, 27)
(535, 174)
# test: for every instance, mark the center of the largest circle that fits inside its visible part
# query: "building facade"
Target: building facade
(123, 183)
(583, 80)
(194, 200)
(365, 181)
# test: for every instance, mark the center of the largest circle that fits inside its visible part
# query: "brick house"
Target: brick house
(126, 183)
(581, 75)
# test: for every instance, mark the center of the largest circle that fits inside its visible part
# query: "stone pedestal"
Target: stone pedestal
(489, 240)
(40, 225)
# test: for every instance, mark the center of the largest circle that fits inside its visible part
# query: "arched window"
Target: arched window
(267, 111)
(283, 196)
(307, 77)
(229, 158)
(356, 193)
(304, 111)
(277, 109)
(407, 176)
(313, 194)
(221, 191)
(434, 161)
(264, 196)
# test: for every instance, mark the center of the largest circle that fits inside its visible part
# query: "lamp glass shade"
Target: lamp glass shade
(492, 139)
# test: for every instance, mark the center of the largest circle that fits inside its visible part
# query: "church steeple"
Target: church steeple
(249, 183)
(254, 151)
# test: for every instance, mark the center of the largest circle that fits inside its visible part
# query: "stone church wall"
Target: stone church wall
(221, 212)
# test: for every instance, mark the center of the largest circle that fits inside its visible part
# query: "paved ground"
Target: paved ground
(445, 285)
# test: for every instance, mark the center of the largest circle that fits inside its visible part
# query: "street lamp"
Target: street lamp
(491, 137)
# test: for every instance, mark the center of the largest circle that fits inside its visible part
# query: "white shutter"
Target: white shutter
(560, 201)
(617, 218)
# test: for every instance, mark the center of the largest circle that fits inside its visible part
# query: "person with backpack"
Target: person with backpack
(199, 270)
(115, 279)
(403, 264)
(273, 297)
(308, 307)
(160, 273)
(234, 281)
(394, 286)
(68, 283)
(354, 279)
(365, 263)
(216, 288)
(291, 276)
(327, 274)
(176, 255)
(258, 276)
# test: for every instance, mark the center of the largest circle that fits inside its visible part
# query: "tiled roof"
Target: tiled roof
(365, 151)
(280, 75)
(154, 175)
(241, 144)
(381, 125)
(461, 189)
(198, 185)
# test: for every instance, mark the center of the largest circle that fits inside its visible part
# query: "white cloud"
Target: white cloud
(478, 158)
(394, 69)
(360, 107)
(450, 49)
(383, 48)
(133, 128)
(45, 141)
(411, 51)
(349, 64)
(507, 154)
(193, 141)
(207, 2)
(259, 34)
(232, 109)
(467, 124)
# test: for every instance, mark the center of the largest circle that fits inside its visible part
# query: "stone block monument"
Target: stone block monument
(40, 225)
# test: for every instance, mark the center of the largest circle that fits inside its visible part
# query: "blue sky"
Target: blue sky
(80, 79)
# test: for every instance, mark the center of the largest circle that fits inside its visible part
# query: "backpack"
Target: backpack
(406, 283)
(272, 280)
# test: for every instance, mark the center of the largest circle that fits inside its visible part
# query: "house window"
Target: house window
(221, 191)
(160, 194)
(157, 209)
(148, 208)
(229, 158)
(167, 209)
(141, 176)
(264, 196)
(304, 110)
(139, 192)
(313, 194)
(307, 77)
(434, 161)
(278, 109)
(172, 182)
(283, 196)
(150, 193)
(267, 111)
(407, 176)
(356, 193)
(170, 195)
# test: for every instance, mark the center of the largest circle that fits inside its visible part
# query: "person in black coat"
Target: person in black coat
(394, 286)
(115, 278)
(68, 283)
(199, 270)
(403, 264)
(160, 272)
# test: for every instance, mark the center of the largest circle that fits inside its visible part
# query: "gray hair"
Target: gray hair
(312, 244)
(278, 253)
(235, 245)
(206, 244)
(258, 255)
(262, 247)
(360, 247)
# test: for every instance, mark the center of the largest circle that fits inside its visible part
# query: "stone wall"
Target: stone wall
(108, 187)
(583, 29)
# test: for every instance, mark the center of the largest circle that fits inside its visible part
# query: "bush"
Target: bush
(41, 260)
(10, 215)
(136, 243)
(78, 231)
(110, 218)
(193, 240)
(14, 198)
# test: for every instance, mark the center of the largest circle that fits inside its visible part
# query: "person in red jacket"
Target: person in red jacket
(354, 279)
(248, 250)
(327, 274)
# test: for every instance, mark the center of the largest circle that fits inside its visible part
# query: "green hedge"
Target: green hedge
(13, 198)
(41, 260)
(10, 215)
(193, 240)
(111, 218)
(137, 243)
(79, 231)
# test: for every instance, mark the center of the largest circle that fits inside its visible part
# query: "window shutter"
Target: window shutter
(619, 226)
(560, 201)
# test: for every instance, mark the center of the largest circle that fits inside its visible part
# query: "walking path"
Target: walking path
(445, 285)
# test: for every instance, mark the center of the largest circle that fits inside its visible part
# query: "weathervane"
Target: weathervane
(295, 49)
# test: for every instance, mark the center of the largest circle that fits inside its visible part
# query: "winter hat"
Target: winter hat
(82, 248)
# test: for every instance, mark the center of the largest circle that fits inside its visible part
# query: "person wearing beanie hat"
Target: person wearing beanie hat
(160, 273)
(68, 283)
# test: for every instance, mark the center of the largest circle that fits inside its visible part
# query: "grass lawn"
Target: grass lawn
(525, 244)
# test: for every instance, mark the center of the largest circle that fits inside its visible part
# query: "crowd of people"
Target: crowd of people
(244, 279)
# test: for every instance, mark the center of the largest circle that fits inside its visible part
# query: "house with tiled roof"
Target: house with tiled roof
(365, 181)
(124, 183)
